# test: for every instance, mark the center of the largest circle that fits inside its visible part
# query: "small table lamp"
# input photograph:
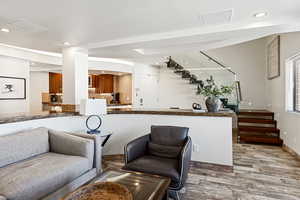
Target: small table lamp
(93, 108)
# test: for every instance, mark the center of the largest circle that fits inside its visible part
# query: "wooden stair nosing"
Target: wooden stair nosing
(257, 134)
(264, 140)
(255, 113)
(256, 120)
(258, 129)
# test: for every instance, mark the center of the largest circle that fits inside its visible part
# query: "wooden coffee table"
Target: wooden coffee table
(142, 186)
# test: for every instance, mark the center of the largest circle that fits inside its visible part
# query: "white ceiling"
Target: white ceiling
(160, 27)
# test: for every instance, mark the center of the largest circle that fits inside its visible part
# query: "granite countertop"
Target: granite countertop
(20, 117)
(182, 112)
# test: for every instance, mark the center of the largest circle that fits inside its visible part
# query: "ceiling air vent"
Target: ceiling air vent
(217, 18)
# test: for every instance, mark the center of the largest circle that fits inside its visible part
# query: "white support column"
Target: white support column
(75, 75)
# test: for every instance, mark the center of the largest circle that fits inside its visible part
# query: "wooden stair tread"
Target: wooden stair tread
(264, 140)
(254, 134)
(256, 120)
(256, 113)
(258, 129)
(254, 110)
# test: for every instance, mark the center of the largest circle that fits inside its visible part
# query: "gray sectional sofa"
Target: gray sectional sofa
(46, 164)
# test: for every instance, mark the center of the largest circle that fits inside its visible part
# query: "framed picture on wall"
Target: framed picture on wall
(273, 58)
(12, 88)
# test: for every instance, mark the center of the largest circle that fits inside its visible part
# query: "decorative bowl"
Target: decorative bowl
(101, 191)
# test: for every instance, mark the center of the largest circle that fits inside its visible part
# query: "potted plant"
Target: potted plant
(212, 92)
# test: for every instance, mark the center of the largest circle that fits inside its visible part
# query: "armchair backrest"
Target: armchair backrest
(169, 135)
(167, 141)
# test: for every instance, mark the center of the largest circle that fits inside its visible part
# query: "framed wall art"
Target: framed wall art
(273, 58)
(12, 88)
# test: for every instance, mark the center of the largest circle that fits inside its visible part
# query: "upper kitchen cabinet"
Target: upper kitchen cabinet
(104, 83)
(55, 82)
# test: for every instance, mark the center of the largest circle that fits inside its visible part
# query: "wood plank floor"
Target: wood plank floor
(260, 173)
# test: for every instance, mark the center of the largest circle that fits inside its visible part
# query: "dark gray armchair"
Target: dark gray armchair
(166, 151)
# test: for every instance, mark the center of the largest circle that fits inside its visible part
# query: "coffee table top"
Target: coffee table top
(142, 186)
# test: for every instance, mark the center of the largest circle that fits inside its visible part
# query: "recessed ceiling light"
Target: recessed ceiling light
(5, 30)
(141, 51)
(260, 14)
(67, 44)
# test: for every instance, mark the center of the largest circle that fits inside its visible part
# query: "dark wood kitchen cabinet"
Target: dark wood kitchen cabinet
(104, 83)
(55, 82)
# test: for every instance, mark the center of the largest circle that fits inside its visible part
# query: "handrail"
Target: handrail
(217, 62)
(193, 79)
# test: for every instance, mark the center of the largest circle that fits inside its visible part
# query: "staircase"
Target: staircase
(184, 74)
(258, 126)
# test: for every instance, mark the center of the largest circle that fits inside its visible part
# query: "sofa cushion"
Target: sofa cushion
(23, 145)
(169, 135)
(65, 143)
(41, 175)
(164, 150)
(157, 166)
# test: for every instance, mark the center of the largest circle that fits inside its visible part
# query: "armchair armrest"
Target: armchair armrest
(98, 149)
(136, 148)
(65, 143)
(185, 158)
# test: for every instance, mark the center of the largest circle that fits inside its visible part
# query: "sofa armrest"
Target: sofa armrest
(185, 159)
(65, 143)
(98, 149)
(2, 197)
(136, 148)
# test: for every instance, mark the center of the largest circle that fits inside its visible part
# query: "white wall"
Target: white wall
(248, 60)
(145, 86)
(289, 123)
(176, 92)
(214, 143)
(12, 67)
(39, 83)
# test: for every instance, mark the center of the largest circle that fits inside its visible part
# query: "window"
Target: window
(293, 84)
(297, 85)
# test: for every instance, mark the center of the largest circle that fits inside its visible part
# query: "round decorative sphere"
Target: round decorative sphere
(93, 122)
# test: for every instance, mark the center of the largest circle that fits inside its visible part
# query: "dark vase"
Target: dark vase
(213, 104)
